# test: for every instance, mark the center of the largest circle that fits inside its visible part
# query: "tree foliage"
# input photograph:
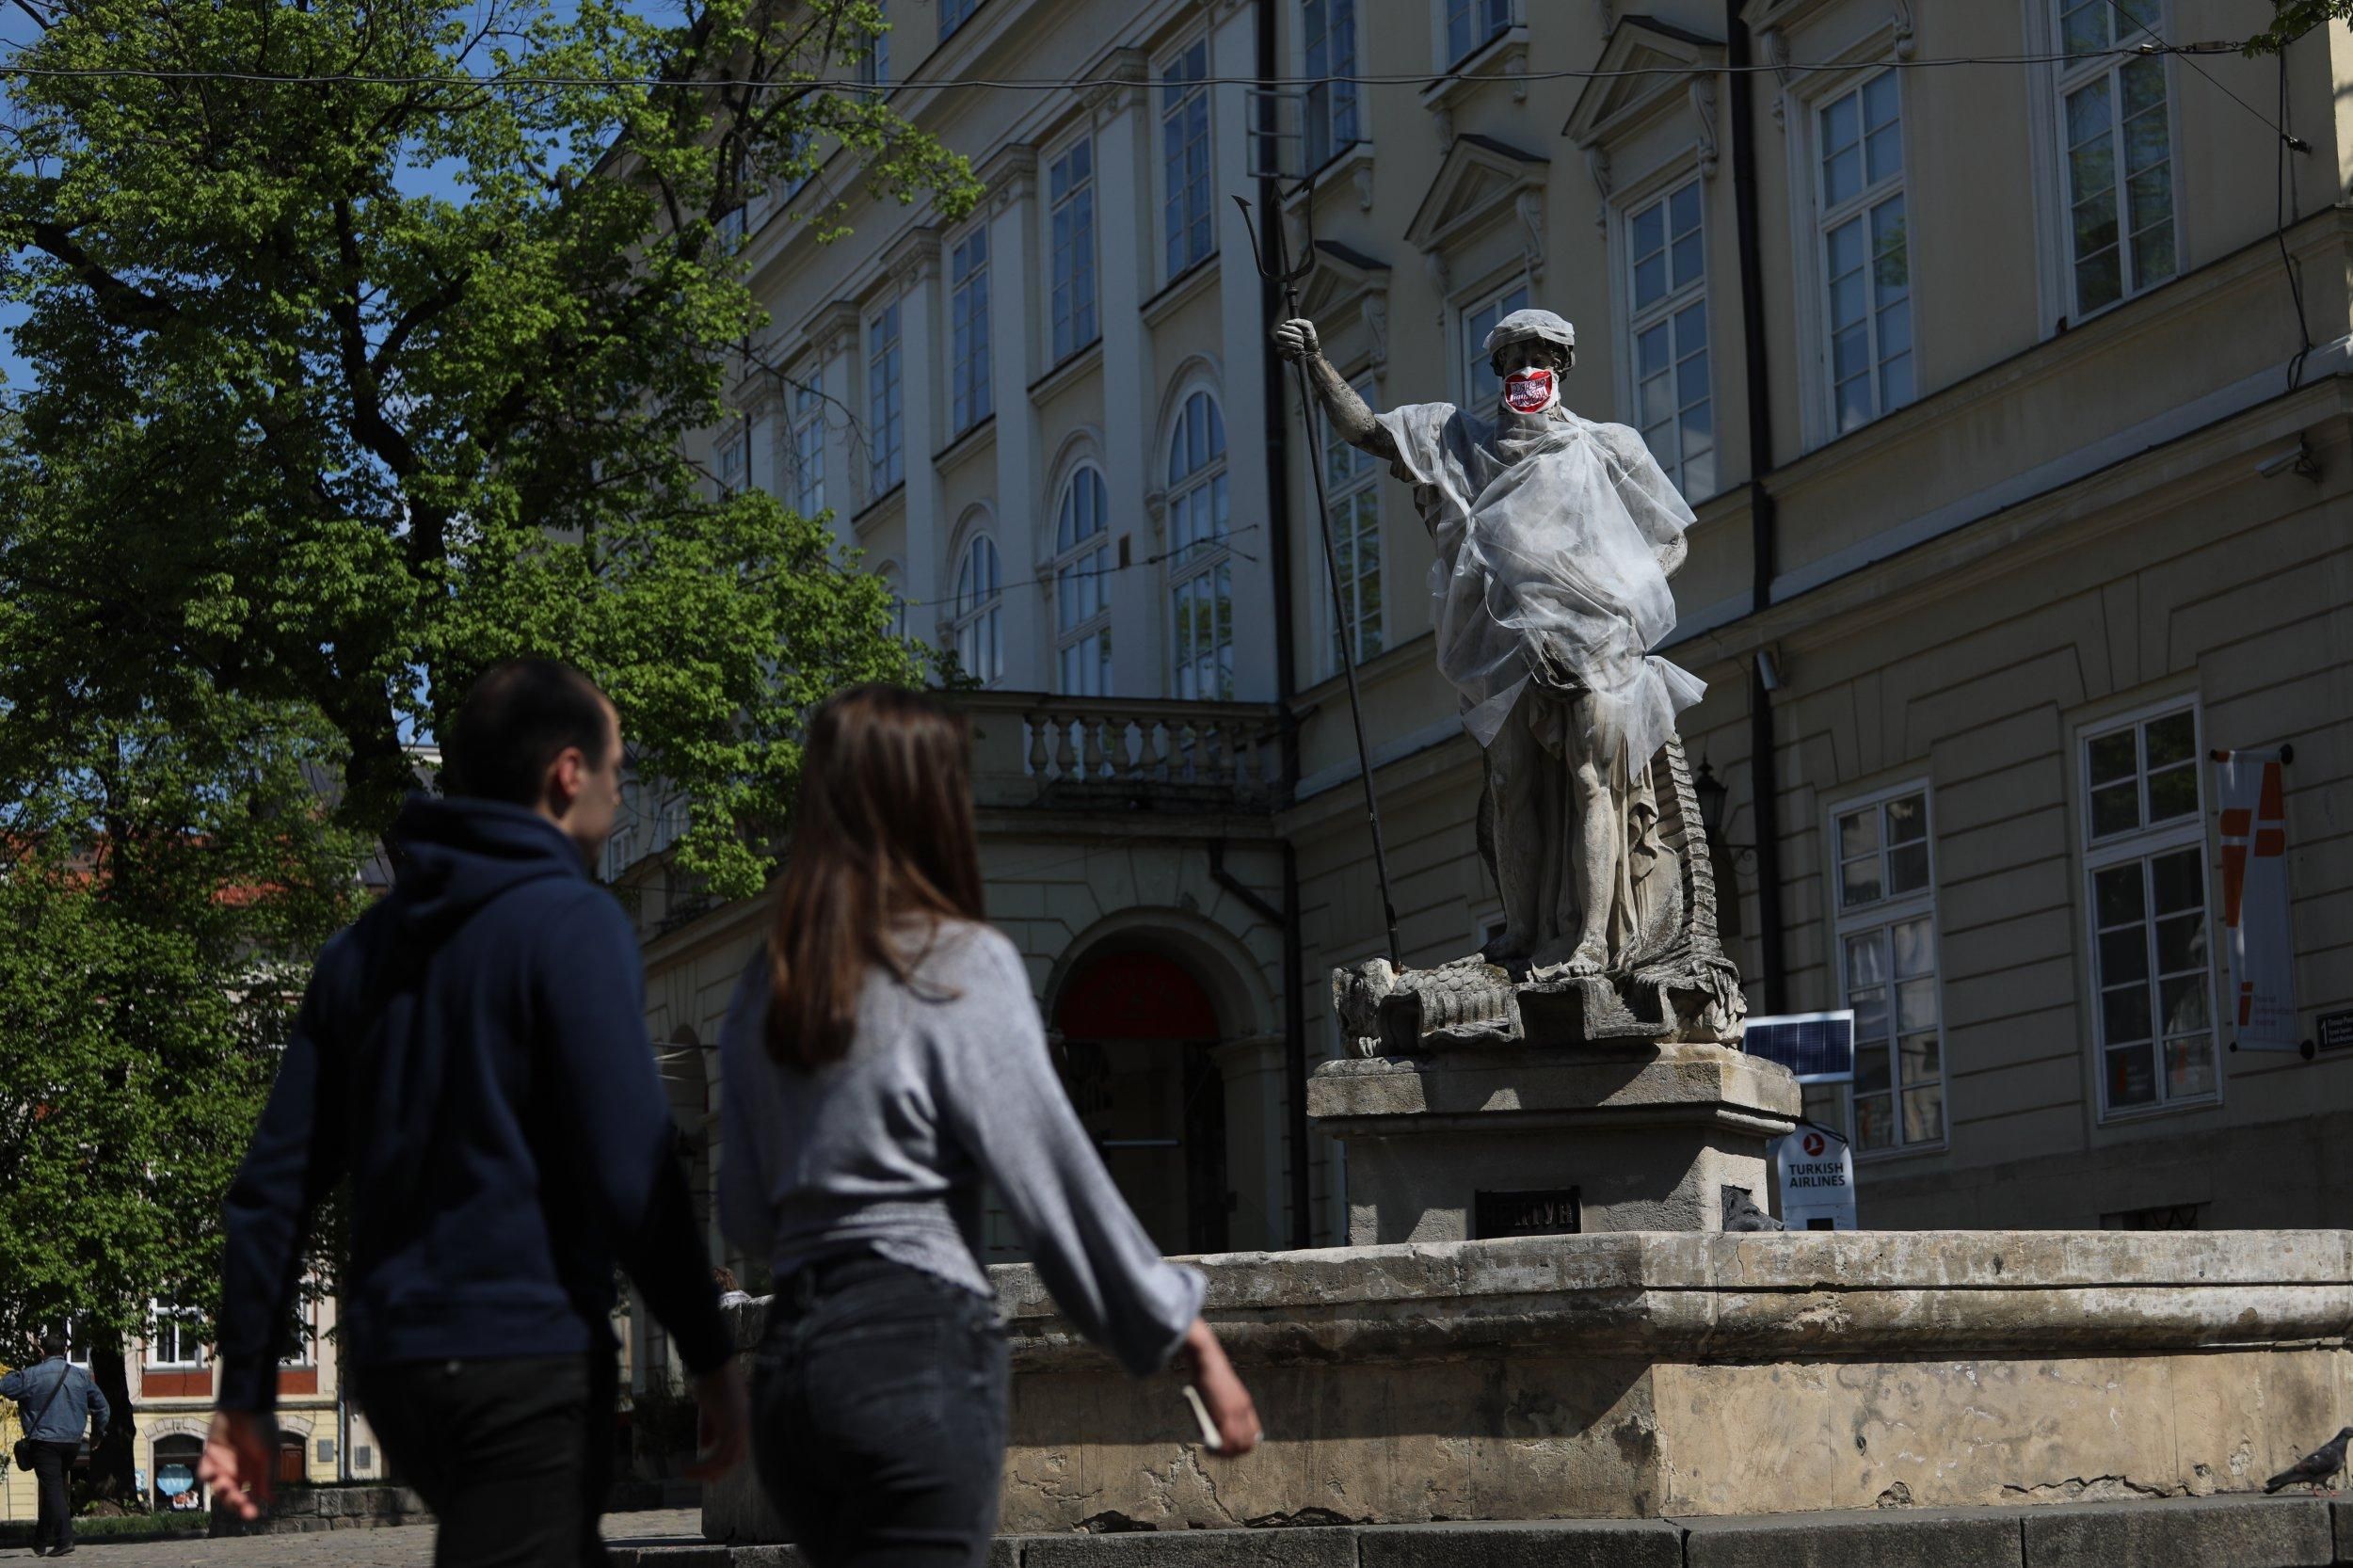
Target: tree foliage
(337, 444)
(2293, 19)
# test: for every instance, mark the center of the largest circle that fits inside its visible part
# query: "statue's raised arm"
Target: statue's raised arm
(1295, 340)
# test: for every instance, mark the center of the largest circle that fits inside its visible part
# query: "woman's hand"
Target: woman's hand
(1227, 1401)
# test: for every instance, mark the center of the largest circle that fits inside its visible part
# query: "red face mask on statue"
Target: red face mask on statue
(1530, 391)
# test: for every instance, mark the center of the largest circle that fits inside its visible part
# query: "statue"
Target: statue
(1555, 537)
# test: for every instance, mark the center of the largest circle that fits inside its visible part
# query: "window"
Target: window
(1472, 23)
(1200, 568)
(176, 1342)
(873, 66)
(1478, 322)
(303, 1338)
(1070, 193)
(979, 622)
(967, 331)
(1866, 265)
(953, 14)
(892, 589)
(734, 453)
(2116, 125)
(1331, 29)
(1887, 967)
(1083, 565)
(1185, 156)
(2146, 859)
(808, 444)
(885, 424)
(1667, 281)
(1353, 494)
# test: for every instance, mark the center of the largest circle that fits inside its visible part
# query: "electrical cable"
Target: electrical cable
(1031, 84)
(2282, 180)
(2277, 128)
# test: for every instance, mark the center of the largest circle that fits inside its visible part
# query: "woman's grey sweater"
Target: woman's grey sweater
(946, 1085)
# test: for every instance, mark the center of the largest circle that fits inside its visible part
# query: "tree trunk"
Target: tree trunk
(113, 1462)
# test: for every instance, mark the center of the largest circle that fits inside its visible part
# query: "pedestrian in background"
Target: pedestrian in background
(55, 1401)
(473, 1052)
(882, 1058)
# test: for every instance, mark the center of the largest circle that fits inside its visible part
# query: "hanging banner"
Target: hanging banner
(2261, 1002)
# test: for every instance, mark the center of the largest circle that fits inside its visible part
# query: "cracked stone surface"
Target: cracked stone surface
(399, 1547)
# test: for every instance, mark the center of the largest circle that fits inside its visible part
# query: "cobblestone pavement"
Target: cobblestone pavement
(400, 1546)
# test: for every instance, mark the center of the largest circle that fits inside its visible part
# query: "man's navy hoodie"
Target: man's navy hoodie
(473, 1053)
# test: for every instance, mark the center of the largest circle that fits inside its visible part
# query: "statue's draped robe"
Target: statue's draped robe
(1555, 535)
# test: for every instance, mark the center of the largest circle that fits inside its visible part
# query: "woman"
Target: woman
(883, 1058)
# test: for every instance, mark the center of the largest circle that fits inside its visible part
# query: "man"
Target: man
(53, 1398)
(473, 1053)
(1555, 538)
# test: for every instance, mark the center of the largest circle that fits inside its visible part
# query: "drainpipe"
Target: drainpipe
(1278, 524)
(1763, 788)
(1294, 1017)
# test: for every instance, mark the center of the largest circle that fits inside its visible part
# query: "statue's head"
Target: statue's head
(1530, 351)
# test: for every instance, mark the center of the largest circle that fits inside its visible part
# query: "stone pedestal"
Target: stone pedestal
(1484, 1142)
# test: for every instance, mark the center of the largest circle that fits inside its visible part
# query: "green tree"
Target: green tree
(304, 451)
(337, 444)
(2292, 19)
(161, 897)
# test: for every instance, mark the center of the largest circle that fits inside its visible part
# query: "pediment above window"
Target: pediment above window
(1345, 281)
(1646, 69)
(1481, 181)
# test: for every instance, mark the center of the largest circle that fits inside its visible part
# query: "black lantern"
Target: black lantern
(1712, 796)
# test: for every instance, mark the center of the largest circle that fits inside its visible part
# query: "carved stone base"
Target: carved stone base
(1473, 1004)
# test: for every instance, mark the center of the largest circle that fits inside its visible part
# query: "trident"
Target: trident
(1274, 265)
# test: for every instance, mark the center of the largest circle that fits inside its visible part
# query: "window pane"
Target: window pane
(1907, 869)
(2174, 794)
(2189, 1067)
(2179, 880)
(2084, 26)
(1859, 882)
(2182, 1005)
(2115, 808)
(2132, 1080)
(1915, 1005)
(1919, 1058)
(2169, 740)
(2123, 956)
(1871, 1028)
(1915, 948)
(2182, 943)
(1924, 1114)
(1907, 819)
(1866, 960)
(2124, 1014)
(2112, 757)
(1874, 1122)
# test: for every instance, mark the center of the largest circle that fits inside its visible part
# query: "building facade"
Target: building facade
(2002, 353)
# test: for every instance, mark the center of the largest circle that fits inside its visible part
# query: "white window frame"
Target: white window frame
(2143, 844)
(955, 14)
(1165, 109)
(977, 624)
(304, 1357)
(1637, 320)
(1883, 915)
(732, 456)
(2053, 182)
(885, 399)
(1483, 400)
(1078, 204)
(968, 358)
(1817, 368)
(805, 439)
(1441, 29)
(1082, 568)
(161, 1315)
(873, 66)
(1350, 494)
(1204, 563)
(1332, 111)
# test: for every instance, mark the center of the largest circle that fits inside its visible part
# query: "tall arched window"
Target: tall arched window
(980, 613)
(1200, 566)
(1082, 564)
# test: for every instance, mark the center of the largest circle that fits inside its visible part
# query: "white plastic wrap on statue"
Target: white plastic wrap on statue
(1555, 535)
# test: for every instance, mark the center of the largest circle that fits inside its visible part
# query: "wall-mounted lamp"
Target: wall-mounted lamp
(2297, 458)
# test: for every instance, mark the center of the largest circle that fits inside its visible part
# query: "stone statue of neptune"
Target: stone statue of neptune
(1555, 536)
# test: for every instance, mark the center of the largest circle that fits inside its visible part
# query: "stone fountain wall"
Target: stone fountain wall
(1643, 1374)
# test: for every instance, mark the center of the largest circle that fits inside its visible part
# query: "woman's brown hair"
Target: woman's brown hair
(883, 836)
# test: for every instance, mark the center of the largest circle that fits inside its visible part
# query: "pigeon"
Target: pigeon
(2315, 1468)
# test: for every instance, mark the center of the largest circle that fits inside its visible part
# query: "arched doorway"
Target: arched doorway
(1134, 1029)
(176, 1487)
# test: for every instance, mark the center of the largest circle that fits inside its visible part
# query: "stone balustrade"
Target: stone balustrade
(1034, 748)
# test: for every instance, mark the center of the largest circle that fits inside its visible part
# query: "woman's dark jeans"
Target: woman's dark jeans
(878, 1417)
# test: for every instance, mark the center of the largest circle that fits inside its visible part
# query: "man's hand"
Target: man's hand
(723, 1424)
(237, 1462)
(1295, 340)
(1227, 1401)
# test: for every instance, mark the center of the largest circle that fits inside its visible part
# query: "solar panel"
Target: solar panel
(1817, 1047)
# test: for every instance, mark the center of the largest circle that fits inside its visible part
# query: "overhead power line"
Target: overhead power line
(1037, 84)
